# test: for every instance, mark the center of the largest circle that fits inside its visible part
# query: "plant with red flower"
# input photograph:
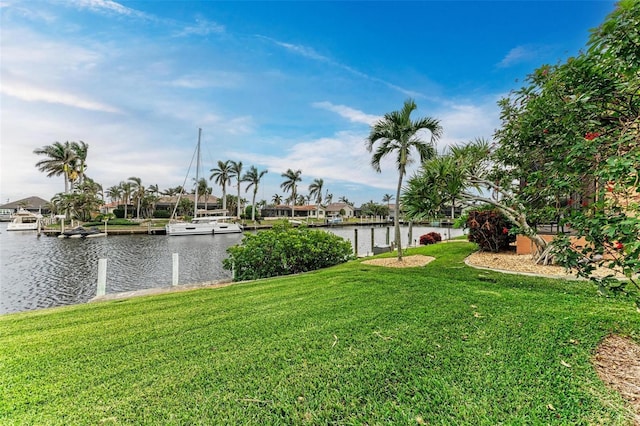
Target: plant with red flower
(591, 135)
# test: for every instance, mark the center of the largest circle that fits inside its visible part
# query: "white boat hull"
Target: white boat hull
(24, 220)
(226, 228)
(22, 227)
(181, 228)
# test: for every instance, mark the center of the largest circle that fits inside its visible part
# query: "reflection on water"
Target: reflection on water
(40, 272)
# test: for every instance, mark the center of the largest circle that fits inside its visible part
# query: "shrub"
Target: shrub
(119, 213)
(430, 238)
(285, 250)
(490, 230)
(427, 239)
(162, 214)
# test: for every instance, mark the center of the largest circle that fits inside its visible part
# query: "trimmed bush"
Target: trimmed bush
(162, 214)
(430, 238)
(285, 250)
(490, 230)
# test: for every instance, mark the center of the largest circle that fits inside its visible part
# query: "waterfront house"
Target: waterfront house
(33, 204)
(300, 212)
(343, 210)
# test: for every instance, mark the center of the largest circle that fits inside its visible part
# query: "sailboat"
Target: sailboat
(203, 225)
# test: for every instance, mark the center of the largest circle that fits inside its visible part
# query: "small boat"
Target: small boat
(24, 220)
(80, 232)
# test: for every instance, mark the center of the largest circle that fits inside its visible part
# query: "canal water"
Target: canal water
(41, 272)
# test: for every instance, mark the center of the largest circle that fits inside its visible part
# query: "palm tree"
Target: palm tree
(172, 192)
(328, 198)
(221, 176)
(60, 160)
(277, 199)
(344, 199)
(397, 133)
(81, 150)
(126, 188)
(386, 198)
(138, 192)
(114, 193)
(253, 178)
(236, 171)
(315, 190)
(205, 190)
(291, 184)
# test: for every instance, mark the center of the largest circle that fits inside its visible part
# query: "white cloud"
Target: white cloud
(31, 93)
(519, 55)
(311, 53)
(202, 27)
(464, 121)
(107, 6)
(349, 113)
(209, 79)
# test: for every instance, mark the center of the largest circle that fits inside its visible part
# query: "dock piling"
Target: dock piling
(176, 261)
(102, 277)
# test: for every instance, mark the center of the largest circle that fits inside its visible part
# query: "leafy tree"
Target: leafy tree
(599, 89)
(291, 185)
(252, 177)
(221, 175)
(472, 175)
(397, 134)
(371, 208)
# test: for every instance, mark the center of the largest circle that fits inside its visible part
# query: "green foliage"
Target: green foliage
(119, 213)
(490, 230)
(573, 137)
(162, 214)
(285, 250)
(374, 209)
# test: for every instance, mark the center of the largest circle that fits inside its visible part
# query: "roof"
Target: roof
(296, 208)
(336, 207)
(29, 203)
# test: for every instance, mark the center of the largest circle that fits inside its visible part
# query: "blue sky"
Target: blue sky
(273, 84)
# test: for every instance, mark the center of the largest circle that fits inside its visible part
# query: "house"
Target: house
(301, 212)
(168, 203)
(33, 204)
(343, 210)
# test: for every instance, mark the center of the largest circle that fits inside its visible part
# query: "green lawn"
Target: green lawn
(354, 344)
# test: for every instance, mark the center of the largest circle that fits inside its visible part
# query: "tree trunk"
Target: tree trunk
(396, 220)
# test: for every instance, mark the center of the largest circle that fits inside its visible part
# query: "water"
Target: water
(41, 272)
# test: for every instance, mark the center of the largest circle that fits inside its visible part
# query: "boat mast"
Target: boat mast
(195, 204)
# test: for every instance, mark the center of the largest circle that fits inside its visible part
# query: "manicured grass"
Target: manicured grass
(354, 344)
